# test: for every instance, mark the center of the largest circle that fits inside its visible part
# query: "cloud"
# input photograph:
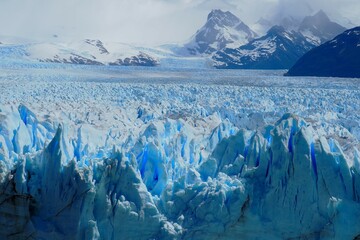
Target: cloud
(344, 11)
(295, 8)
(145, 21)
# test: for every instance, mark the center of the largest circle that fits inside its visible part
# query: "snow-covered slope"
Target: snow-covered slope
(82, 158)
(278, 49)
(92, 52)
(222, 29)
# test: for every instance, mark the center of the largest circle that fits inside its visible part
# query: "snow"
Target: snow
(310, 37)
(86, 48)
(222, 30)
(287, 35)
(235, 37)
(261, 47)
(91, 51)
(171, 153)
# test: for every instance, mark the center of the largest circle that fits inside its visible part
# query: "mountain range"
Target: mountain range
(224, 41)
(278, 49)
(281, 46)
(319, 28)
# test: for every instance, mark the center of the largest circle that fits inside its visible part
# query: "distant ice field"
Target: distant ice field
(248, 98)
(184, 72)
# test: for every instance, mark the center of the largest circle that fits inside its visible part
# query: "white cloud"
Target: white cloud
(144, 21)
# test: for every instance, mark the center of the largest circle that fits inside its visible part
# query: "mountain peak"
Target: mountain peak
(277, 29)
(218, 13)
(321, 15)
(222, 18)
(319, 18)
(319, 28)
(222, 29)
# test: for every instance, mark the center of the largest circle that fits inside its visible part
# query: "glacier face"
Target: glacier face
(284, 182)
(101, 158)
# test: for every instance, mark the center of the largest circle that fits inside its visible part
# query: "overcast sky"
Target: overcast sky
(149, 21)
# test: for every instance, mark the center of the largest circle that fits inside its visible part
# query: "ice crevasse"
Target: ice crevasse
(167, 183)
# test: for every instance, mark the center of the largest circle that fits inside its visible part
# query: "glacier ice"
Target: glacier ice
(113, 153)
(174, 180)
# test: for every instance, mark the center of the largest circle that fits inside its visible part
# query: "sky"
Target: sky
(149, 22)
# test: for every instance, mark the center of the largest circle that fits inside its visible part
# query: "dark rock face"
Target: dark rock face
(220, 29)
(98, 44)
(319, 28)
(140, 60)
(74, 59)
(339, 57)
(278, 49)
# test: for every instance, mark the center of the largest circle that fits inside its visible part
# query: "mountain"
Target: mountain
(289, 22)
(283, 44)
(337, 58)
(221, 30)
(319, 28)
(91, 52)
(278, 49)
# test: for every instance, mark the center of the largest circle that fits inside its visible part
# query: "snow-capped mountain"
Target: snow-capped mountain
(339, 57)
(282, 46)
(278, 49)
(221, 30)
(91, 52)
(319, 28)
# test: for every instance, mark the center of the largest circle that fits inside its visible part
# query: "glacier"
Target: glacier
(108, 153)
(287, 182)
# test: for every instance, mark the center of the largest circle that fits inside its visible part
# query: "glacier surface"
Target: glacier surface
(111, 153)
